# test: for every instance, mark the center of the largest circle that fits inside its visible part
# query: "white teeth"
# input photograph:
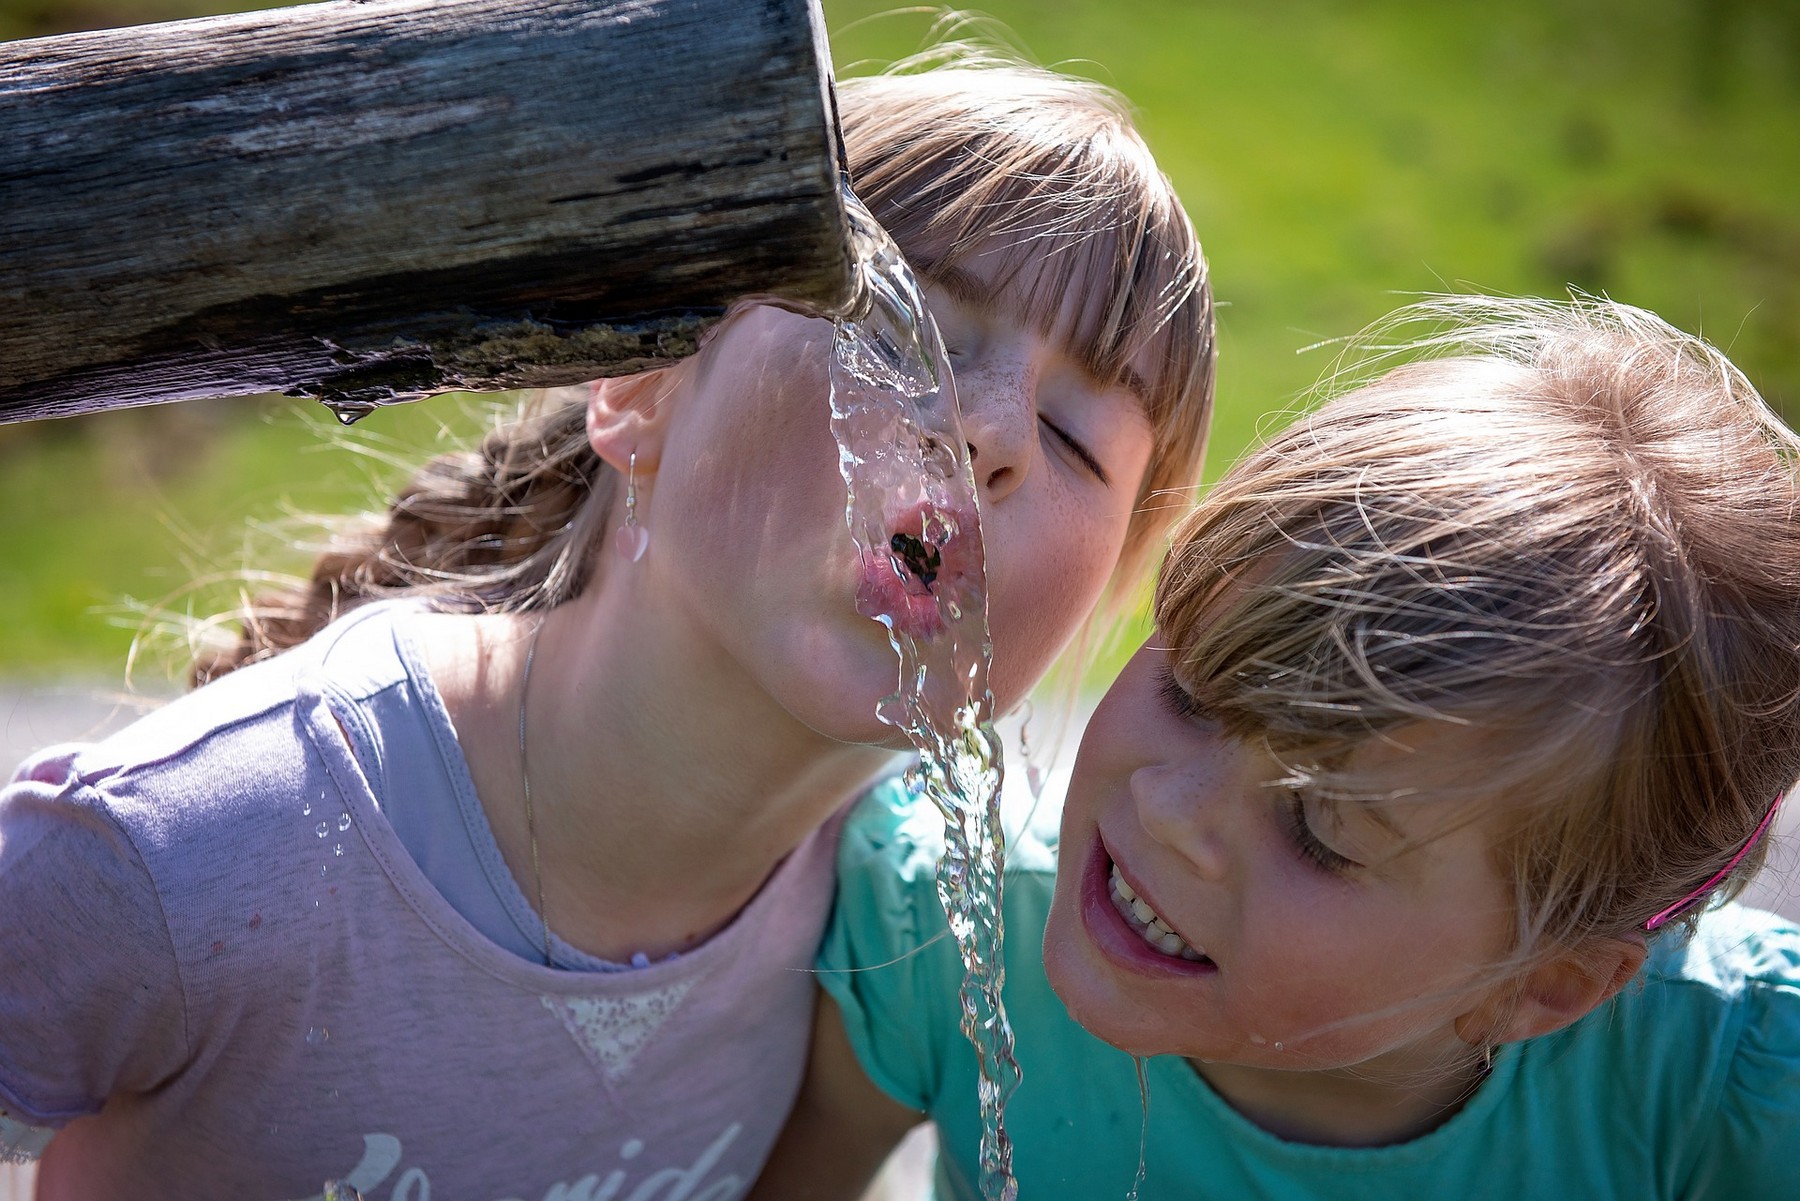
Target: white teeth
(1147, 922)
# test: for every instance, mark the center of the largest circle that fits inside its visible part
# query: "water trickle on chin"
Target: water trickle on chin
(901, 450)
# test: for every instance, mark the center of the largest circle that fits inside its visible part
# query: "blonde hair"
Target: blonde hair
(977, 154)
(1572, 531)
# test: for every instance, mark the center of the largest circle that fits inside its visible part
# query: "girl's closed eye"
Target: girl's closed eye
(1075, 448)
(1308, 843)
(1177, 699)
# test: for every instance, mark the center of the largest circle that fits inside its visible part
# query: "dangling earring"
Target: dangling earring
(631, 538)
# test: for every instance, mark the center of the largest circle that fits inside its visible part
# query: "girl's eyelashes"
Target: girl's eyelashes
(1309, 843)
(1075, 448)
(1177, 699)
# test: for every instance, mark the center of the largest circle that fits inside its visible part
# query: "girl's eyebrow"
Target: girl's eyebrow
(972, 292)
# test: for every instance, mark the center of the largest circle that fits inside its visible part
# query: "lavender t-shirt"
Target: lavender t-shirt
(223, 975)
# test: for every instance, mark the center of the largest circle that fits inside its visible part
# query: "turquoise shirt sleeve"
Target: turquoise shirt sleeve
(1752, 1143)
(888, 959)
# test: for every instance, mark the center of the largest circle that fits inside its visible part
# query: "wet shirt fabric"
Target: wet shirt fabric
(223, 975)
(1685, 1086)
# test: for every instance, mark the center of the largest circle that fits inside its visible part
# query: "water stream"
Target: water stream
(912, 512)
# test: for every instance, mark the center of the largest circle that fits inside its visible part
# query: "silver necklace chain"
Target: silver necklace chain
(537, 867)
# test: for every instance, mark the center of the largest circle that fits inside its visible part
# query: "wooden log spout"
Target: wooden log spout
(378, 200)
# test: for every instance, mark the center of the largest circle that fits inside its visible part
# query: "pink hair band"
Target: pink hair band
(1685, 903)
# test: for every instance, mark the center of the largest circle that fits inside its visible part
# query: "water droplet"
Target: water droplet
(631, 1148)
(339, 849)
(1258, 1040)
(343, 822)
(321, 869)
(323, 830)
(306, 809)
(317, 1035)
(1279, 1047)
(349, 412)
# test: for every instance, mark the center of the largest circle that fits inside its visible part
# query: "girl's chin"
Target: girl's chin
(1096, 1008)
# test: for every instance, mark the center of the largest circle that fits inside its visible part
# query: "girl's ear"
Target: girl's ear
(628, 415)
(1558, 992)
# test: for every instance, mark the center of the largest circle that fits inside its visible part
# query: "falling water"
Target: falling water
(1143, 1079)
(912, 512)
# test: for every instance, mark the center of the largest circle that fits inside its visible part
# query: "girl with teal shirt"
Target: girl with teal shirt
(1389, 850)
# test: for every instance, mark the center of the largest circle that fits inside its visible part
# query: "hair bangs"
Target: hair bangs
(1319, 599)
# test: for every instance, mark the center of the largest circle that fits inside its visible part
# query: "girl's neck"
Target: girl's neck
(1361, 1106)
(666, 786)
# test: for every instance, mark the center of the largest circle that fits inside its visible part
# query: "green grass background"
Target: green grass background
(1336, 156)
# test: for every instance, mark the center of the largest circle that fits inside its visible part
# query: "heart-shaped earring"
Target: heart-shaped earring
(631, 539)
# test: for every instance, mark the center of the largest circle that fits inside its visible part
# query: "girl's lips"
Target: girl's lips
(1121, 945)
(912, 607)
(942, 544)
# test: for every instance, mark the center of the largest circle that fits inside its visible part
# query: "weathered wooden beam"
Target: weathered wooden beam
(373, 201)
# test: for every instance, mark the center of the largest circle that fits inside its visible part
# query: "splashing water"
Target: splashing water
(912, 513)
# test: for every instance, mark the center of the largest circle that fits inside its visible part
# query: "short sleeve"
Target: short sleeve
(1753, 1148)
(90, 998)
(888, 959)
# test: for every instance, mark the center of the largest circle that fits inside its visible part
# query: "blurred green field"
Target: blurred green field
(1336, 157)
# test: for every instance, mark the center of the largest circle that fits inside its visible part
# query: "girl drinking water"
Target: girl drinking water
(493, 868)
(1397, 845)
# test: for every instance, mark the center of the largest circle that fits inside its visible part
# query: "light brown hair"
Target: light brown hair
(972, 156)
(1570, 530)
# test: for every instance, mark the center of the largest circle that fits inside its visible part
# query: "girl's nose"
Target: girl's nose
(998, 395)
(1184, 815)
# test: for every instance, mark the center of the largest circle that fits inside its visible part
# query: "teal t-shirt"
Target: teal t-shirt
(1687, 1085)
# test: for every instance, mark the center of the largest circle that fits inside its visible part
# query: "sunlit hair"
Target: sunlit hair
(974, 156)
(1572, 533)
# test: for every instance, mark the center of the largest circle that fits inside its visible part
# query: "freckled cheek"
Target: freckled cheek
(1054, 553)
(1025, 640)
(1038, 599)
(1307, 965)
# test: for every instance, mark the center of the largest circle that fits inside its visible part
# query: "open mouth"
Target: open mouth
(920, 558)
(1126, 928)
(1147, 922)
(930, 573)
